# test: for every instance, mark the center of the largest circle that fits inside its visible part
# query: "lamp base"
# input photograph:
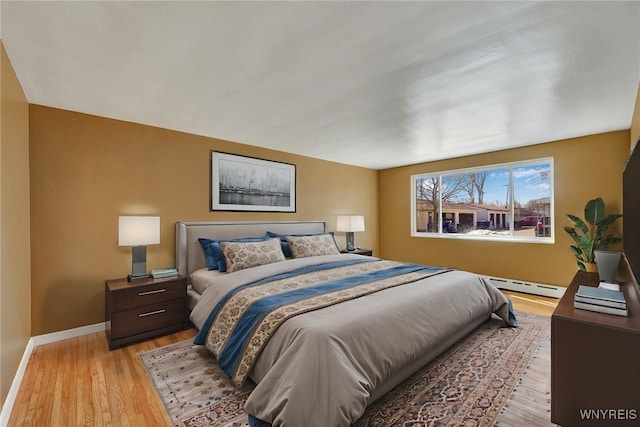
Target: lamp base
(607, 262)
(350, 241)
(139, 264)
(609, 285)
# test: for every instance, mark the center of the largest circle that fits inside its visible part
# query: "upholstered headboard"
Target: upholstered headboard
(189, 254)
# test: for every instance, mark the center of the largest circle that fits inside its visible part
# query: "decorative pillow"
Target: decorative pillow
(285, 245)
(213, 254)
(241, 255)
(305, 246)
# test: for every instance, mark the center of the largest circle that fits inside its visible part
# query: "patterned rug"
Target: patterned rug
(468, 385)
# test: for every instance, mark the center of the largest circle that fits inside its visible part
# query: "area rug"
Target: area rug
(468, 385)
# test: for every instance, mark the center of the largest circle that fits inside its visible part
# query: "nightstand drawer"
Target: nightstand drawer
(150, 294)
(147, 318)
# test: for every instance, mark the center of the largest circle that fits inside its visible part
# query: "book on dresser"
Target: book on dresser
(600, 300)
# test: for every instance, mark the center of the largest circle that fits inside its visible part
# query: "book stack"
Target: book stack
(158, 273)
(600, 300)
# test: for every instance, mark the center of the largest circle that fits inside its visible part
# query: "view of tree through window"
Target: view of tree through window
(502, 201)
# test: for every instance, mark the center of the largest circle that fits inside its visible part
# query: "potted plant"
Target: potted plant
(589, 234)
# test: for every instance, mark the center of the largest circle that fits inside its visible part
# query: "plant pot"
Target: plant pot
(591, 267)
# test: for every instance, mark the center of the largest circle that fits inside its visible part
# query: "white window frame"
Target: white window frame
(502, 238)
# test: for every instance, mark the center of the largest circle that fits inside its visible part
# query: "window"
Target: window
(510, 201)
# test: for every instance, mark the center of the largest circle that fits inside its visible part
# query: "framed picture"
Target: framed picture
(240, 183)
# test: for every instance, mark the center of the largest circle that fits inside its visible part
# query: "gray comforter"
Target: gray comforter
(323, 367)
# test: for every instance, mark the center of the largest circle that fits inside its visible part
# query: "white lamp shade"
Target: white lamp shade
(138, 230)
(350, 223)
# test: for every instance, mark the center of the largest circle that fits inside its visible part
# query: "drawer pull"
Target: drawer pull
(151, 292)
(151, 313)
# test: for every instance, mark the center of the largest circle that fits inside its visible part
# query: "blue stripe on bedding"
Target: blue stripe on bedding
(202, 333)
(231, 353)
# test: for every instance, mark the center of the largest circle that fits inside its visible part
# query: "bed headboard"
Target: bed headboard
(189, 254)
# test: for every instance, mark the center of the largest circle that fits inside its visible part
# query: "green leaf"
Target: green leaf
(576, 251)
(594, 211)
(571, 232)
(579, 223)
(606, 222)
(607, 241)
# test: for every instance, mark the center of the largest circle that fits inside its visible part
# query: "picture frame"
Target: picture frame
(248, 184)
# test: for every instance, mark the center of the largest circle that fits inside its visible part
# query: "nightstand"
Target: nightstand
(358, 251)
(139, 310)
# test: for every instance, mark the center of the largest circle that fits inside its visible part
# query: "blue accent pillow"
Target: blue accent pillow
(213, 253)
(285, 245)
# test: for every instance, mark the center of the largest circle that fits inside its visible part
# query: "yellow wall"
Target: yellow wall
(87, 170)
(635, 121)
(585, 168)
(15, 304)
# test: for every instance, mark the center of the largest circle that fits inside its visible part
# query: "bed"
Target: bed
(322, 334)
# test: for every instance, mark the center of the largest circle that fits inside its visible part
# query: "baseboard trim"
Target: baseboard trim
(528, 287)
(69, 333)
(33, 342)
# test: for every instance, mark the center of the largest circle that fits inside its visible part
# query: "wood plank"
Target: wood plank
(57, 411)
(86, 412)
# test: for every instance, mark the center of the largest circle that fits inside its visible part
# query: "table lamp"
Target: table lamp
(350, 224)
(137, 232)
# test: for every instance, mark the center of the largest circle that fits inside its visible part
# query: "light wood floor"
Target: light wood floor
(534, 304)
(79, 382)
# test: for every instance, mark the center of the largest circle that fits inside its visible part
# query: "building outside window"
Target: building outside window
(511, 201)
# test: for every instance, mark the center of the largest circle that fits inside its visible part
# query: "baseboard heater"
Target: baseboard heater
(528, 287)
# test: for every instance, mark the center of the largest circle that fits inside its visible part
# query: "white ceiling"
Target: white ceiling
(373, 84)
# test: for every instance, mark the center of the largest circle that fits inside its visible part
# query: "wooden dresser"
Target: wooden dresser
(595, 360)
